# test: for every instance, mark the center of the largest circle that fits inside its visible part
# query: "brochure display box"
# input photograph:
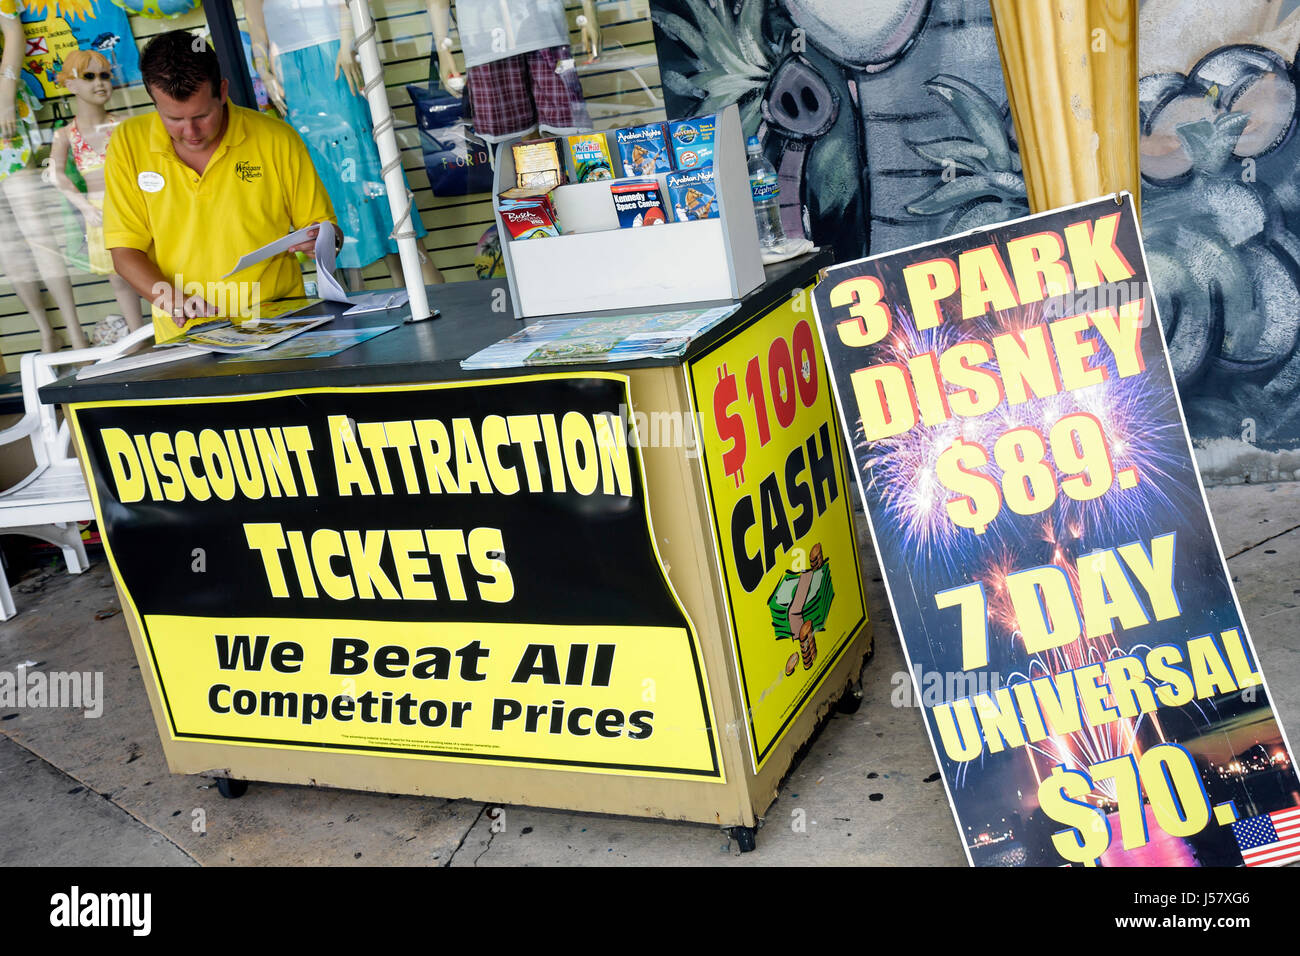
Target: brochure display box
(593, 264)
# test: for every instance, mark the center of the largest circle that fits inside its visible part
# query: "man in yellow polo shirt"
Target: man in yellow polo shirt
(199, 183)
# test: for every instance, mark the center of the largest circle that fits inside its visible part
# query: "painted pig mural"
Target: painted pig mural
(886, 119)
(887, 122)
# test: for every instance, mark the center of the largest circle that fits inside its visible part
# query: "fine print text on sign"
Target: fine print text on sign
(1043, 533)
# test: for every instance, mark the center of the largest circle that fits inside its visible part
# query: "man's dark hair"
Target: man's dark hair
(178, 63)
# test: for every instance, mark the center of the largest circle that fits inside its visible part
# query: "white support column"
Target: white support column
(399, 199)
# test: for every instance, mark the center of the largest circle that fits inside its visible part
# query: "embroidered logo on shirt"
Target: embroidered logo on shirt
(248, 171)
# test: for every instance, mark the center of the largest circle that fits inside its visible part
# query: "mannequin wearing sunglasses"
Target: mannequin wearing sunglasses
(88, 77)
(28, 251)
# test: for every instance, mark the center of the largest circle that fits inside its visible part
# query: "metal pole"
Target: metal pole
(399, 197)
(224, 29)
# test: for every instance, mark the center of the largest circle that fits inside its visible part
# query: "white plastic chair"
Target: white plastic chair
(48, 503)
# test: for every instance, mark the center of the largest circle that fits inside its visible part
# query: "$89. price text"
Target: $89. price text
(1029, 483)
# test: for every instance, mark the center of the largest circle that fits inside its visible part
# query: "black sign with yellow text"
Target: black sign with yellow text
(457, 571)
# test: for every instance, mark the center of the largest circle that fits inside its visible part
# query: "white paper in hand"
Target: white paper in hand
(271, 249)
(327, 287)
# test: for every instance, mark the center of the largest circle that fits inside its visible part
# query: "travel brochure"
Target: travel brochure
(615, 338)
(267, 340)
(682, 151)
(224, 336)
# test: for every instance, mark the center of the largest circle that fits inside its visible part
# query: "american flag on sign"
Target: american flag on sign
(1269, 840)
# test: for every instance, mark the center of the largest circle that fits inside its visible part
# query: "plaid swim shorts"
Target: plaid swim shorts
(513, 95)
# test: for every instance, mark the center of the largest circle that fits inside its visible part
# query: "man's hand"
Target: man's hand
(309, 246)
(197, 307)
(180, 307)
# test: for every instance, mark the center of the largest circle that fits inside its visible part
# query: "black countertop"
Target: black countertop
(429, 351)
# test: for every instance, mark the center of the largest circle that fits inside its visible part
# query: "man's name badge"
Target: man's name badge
(150, 182)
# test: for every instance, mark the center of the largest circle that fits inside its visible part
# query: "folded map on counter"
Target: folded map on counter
(218, 336)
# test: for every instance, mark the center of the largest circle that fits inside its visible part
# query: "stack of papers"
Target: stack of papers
(217, 336)
(274, 326)
(331, 291)
(327, 285)
(377, 302)
(278, 247)
(320, 344)
(129, 363)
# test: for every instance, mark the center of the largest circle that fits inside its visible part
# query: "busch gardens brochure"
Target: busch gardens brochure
(225, 337)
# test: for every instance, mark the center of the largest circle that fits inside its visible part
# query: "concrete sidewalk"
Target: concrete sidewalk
(85, 792)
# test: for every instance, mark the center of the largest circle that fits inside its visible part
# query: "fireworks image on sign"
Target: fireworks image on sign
(902, 469)
(1142, 439)
(1047, 548)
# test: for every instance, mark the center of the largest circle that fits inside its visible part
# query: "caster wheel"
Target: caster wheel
(745, 838)
(231, 789)
(850, 700)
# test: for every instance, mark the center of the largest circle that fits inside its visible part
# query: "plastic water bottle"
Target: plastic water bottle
(765, 188)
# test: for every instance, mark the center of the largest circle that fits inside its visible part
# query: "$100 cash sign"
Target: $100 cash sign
(1080, 657)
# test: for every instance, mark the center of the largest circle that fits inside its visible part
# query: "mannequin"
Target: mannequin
(26, 246)
(88, 76)
(520, 68)
(296, 43)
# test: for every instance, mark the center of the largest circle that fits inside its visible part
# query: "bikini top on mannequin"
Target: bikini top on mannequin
(298, 24)
(84, 155)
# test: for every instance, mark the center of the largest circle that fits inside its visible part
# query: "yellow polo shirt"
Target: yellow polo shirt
(259, 185)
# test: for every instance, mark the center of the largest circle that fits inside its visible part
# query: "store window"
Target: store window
(443, 131)
(56, 287)
(69, 73)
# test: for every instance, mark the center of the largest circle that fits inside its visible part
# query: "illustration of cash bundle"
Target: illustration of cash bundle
(801, 596)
